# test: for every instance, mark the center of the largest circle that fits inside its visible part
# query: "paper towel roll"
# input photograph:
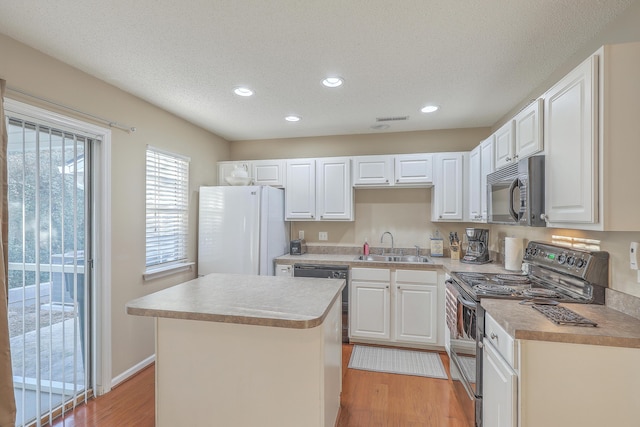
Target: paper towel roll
(513, 253)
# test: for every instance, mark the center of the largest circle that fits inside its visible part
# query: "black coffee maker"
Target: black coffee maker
(478, 246)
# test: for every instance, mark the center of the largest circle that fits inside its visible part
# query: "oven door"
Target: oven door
(464, 353)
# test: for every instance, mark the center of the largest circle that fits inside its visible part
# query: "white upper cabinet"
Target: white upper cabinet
(480, 165)
(414, 169)
(319, 189)
(570, 108)
(372, 171)
(474, 186)
(528, 128)
(487, 157)
(334, 189)
(300, 189)
(268, 172)
(520, 137)
(591, 133)
(447, 202)
(504, 140)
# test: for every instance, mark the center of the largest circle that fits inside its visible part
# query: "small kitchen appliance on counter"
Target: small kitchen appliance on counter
(478, 249)
(297, 247)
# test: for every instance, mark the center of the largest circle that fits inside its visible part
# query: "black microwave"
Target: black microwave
(515, 193)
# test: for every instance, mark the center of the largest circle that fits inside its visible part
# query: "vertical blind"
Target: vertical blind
(49, 297)
(167, 223)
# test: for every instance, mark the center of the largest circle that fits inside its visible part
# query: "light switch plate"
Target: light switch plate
(323, 235)
(634, 247)
(301, 234)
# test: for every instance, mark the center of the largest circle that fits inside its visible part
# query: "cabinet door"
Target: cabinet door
(487, 157)
(372, 170)
(447, 195)
(225, 169)
(369, 310)
(335, 192)
(529, 130)
(570, 108)
(268, 172)
(300, 193)
(416, 313)
(414, 169)
(500, 392)
(504, 144)
(284, 270)
(474, 183)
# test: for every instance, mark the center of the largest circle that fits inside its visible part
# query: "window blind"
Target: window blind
(167, 203)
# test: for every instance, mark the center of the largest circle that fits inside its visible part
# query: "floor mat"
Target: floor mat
(396, 361)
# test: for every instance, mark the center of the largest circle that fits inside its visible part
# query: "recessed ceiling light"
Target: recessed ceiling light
(292, 118)
(380, 127)
(429, 108)
(333, 81)
(243, 91)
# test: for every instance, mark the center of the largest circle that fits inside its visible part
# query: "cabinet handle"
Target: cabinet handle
(515, 157)
(386, 180)
(493, 336)
(508, 159)
(544, 217)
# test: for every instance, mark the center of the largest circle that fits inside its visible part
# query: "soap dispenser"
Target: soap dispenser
(365, 248)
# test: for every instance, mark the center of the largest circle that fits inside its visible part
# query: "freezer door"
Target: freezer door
(274, 231)
(229, 231)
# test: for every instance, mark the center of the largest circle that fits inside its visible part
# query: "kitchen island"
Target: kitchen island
(247, 350)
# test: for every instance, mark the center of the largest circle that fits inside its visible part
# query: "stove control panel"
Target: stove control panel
(587, 265)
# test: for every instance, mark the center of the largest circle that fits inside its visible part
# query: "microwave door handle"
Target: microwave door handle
(512, 189)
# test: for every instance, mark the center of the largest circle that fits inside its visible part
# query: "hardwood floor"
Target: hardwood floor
(130, 404)
(377, 399)
(368, 399)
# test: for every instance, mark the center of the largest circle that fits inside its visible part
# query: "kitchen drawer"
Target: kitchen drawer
(501, 340)
(416, 276)
(376, 274)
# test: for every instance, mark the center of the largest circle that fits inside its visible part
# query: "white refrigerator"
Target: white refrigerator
(241, 229)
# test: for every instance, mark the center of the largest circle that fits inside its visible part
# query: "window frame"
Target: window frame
(175, 192)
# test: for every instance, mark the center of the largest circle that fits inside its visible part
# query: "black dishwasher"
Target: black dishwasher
(325, 271)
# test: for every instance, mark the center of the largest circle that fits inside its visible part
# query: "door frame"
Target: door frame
(101, 234)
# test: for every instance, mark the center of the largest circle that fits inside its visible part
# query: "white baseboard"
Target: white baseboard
(133, 370)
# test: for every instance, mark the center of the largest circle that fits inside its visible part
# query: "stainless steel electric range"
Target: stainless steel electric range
(555, 274)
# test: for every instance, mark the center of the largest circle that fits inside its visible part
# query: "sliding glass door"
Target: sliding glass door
(49, 245)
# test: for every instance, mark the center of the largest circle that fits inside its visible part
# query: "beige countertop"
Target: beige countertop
(296, 303)
(447, 264)
(615, 329)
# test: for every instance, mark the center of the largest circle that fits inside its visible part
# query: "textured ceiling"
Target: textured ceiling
(476, 59)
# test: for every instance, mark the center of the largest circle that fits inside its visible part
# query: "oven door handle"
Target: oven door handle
(469, 304)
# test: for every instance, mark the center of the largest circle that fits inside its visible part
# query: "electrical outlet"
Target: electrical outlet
(301, 234)
(323, 235)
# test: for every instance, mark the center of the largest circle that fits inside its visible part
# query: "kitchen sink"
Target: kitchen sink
(394, 258)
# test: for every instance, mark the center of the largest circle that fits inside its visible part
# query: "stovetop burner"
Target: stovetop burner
(511, 279)
(540, 293)
(492, 289)
(563, 316)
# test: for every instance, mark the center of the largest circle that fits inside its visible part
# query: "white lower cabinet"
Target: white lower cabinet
(393, 306)
(369, 303)
(500, 389)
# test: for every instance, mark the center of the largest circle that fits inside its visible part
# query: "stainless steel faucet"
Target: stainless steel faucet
(382, 239)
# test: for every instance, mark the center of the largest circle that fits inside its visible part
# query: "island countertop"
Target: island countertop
(285, 302)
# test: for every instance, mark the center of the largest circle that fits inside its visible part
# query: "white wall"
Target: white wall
(38, 74)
